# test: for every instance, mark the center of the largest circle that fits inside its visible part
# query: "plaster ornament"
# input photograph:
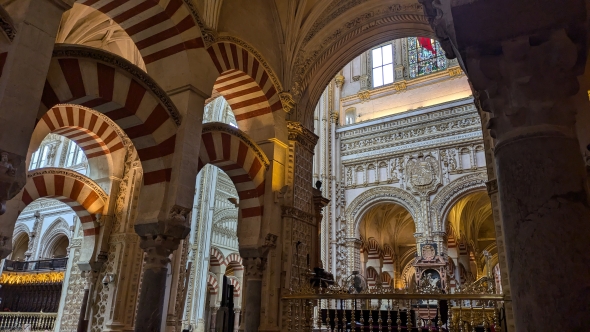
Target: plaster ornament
(422, 174)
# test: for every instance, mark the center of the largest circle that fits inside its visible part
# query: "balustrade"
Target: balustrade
(40, 265)
(27, 321)
(353, 307)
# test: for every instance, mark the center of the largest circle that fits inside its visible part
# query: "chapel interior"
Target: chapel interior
(294, 165)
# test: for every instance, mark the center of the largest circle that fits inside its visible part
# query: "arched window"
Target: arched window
(350, 116)
(382, 63)
(425, 56)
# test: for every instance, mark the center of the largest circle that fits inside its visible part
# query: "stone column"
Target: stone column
(153, 286)
(254, 267)
(528, 87)
(90, 279)
(33, 26)
(236, 320)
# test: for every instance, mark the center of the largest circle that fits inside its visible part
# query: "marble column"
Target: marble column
(153, 286)
(89, 280)
(254, 267)
(528, 87)
(236, 320)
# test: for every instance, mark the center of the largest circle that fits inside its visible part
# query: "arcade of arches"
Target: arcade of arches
(155, 152)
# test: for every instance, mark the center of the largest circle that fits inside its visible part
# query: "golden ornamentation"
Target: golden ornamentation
(455, 72)
(20, 278)
(288, 102)
(339, 80)
(401, 86)
(364, 95)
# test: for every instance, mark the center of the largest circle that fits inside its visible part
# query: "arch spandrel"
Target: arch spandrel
(374, 196)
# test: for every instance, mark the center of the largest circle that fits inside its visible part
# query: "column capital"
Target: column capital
(254, 267)
(158, 249)
(527, 86)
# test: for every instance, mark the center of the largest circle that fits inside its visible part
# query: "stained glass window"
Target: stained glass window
(425, 60)
(382, 59)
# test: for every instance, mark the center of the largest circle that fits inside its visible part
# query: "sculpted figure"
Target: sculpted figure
(6, 166)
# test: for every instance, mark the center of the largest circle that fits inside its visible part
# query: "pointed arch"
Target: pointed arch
(59, 227)
(244, 162)
(448, 196)
(19, 229)
(79, 192)
(365, 201)
(249, 85)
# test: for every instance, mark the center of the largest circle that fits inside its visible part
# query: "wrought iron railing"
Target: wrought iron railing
(353, 307)
(27, 321)
(40, 265)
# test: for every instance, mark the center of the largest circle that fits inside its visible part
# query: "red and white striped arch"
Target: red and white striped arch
(236, 283)
(246, 85)
(159, 28)
(372, 276)
(217, 258)
(374, 249)
(212, 284)
(88, 128)
(388, 255)
(82, 194)
(386, 280)
(135, 103)
(234, 261)
(244, 162)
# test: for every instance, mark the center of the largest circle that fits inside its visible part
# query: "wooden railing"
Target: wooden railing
(27, 321)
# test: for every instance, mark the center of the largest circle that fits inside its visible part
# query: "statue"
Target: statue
(5, 166)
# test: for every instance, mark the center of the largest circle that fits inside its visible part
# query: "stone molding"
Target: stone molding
(292, 212)
(71, 174)
(218, 126)
(377, 195)
(451, 193)
(308, 61)
(77, 51)
(302, 135)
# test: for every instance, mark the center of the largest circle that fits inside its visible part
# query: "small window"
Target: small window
(425, 56)
(382, 59)
(349, 116)
(75, 155)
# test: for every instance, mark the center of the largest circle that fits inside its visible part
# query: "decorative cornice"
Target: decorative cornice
(302, 135)
(292, 212)
(77, 51)
(223, 127)
(202, 26)
(71, 174)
